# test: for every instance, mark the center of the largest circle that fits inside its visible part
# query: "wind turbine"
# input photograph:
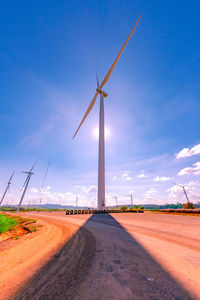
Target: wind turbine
(99, 91)
(115, 197)
(26, 182)
(183, 187)
(7, 188)
(43, 182)
(131, 196)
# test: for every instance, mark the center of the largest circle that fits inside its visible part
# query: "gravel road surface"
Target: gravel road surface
(116, 256)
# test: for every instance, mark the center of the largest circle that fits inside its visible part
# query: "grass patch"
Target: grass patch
(33, 229)
(27, 223)
(6, 223)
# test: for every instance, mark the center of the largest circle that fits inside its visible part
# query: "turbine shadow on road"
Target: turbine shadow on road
(102, 261)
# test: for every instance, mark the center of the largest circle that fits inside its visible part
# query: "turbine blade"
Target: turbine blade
(87, 112)
(11, 177)
(98, 85)
(180, 185)
(33, 165)
(117, 58)
(25, 182)
(45, 175)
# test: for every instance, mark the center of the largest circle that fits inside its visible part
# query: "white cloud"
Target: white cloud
(186, 152)
(48, 195)
(151, 195)
(34, 190)
(191, 170)
(193, 183)
(90, 189)
(175, 192)
(142, 175)
(124, 176)
(57, 197)
(161, 178)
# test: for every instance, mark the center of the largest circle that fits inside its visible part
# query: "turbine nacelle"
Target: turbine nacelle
(102, 93)
(30, 173)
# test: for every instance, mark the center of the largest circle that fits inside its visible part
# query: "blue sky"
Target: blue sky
(50, 52)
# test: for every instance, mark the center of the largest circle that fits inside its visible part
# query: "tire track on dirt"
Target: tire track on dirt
(158, 234)
(21, 259)
(62, 275)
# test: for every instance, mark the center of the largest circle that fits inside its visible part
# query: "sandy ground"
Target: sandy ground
(116, 256)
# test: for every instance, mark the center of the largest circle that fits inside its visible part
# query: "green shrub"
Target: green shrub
(188, 205)
(33, 229)
(123, 208)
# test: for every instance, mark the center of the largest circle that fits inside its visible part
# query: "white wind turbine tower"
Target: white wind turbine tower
(26, 182)
(131, 197)
(115, 197)
(43, 182)
(99, 91)
(7, 188)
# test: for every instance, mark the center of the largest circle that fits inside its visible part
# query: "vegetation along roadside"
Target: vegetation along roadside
(14, 226)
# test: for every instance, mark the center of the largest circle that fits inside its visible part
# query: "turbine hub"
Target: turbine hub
(102, 93)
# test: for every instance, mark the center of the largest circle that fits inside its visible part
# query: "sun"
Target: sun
(96, 132)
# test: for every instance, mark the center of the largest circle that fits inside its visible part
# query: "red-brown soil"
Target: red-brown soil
(117, 256)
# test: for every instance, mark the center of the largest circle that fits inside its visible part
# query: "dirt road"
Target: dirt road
(117, 256)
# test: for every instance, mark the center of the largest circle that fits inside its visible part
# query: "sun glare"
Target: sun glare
(96, 133)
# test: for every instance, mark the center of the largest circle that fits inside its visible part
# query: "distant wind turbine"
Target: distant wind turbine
(43, 181)
(26, 182)
(131, 196)
(115, 197)
(7, 188)
(183, 187)
(76, 201)
(99, 91)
